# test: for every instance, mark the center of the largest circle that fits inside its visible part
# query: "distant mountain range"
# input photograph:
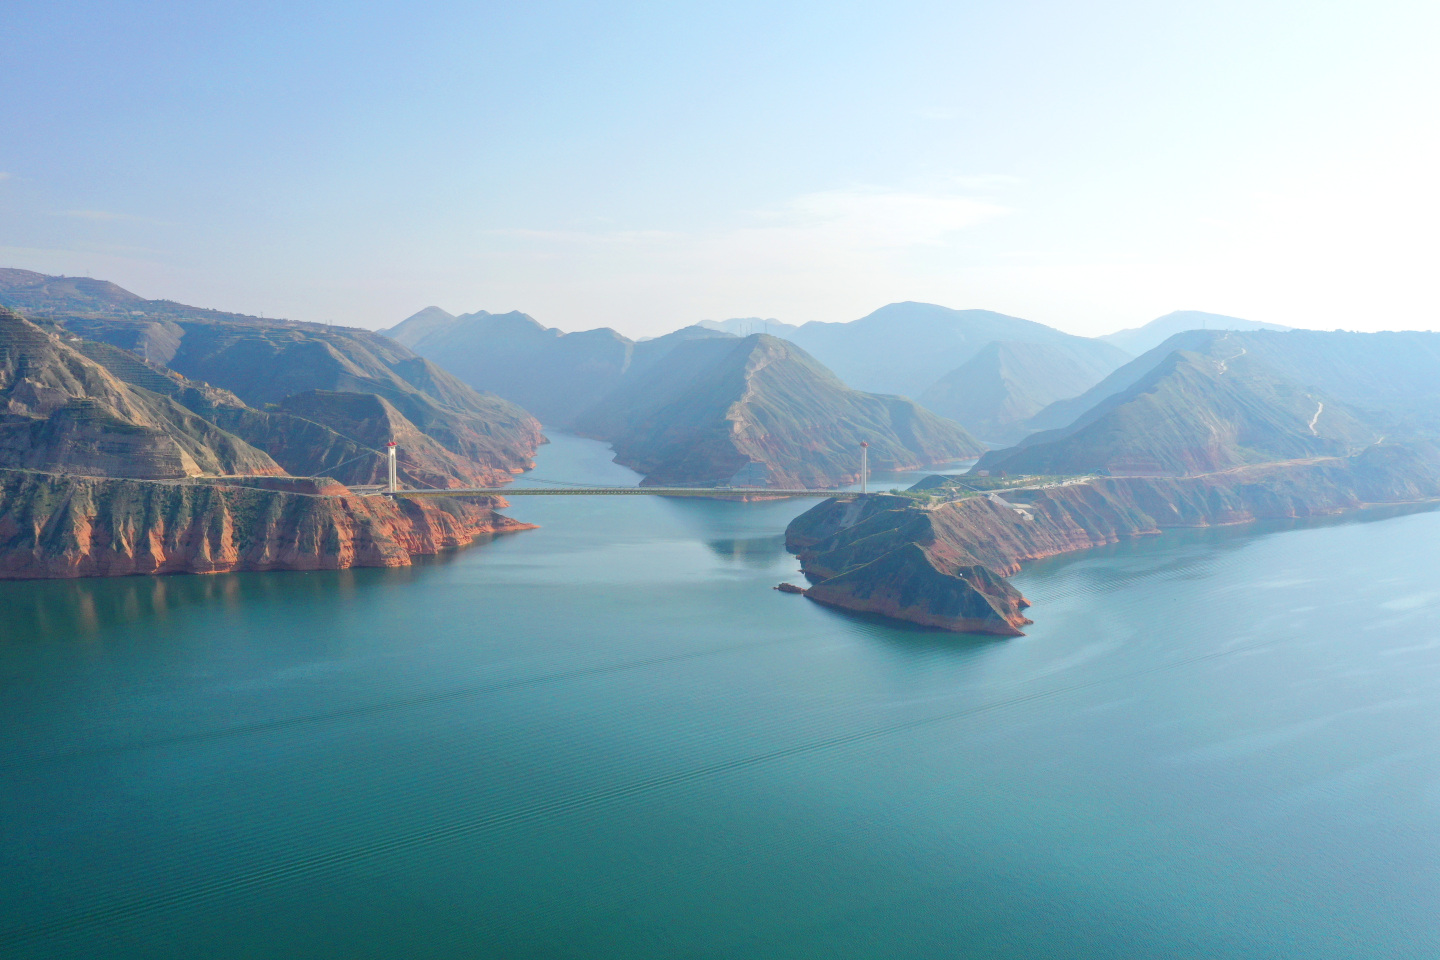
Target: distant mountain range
(1138, 340)
(555, 375)
(906, 348)
(953, 359)
(1000, 387)
(696, 405)
(714, 408)
(1207, 397)
(150, 436)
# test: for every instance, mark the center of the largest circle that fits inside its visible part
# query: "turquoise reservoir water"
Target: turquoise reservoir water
(610, 738)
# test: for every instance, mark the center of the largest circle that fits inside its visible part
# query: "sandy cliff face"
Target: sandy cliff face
(942, 565)
(54, 526)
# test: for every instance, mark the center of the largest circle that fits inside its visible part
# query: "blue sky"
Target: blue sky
(643, 166)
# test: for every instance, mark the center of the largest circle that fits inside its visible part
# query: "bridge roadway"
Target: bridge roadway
(619, 492)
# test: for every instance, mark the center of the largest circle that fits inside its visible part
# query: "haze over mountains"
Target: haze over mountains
(1006, 382)
(698, 405)
(1207, 399)
(1138, 340)
(902, 349)
(714, 406)
(1194, 411)
(555, 375)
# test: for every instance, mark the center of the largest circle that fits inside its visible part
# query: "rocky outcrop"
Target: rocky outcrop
(942, 564)
(55, 526)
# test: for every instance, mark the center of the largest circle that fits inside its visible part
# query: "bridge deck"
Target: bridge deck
(619, 492)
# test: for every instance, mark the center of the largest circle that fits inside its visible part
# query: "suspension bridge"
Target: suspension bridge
(558, 488)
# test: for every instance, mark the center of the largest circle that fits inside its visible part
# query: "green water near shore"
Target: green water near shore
(610, 738)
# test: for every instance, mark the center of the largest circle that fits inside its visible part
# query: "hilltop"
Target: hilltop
(985, 370)
(143, 436)
(943, 563)
(555, 375)
(65, 413)
(1195, 411)
(110, 465)
(264, 363)
(712, 408)
(905, 348)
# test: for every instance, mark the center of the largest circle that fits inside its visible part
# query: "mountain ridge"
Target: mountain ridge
(1148, 336)
(718, 406)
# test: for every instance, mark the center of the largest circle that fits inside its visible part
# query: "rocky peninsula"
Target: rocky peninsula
(941, 562)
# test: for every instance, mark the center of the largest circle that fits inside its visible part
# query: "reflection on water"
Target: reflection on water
(756, 551)
(47, 610)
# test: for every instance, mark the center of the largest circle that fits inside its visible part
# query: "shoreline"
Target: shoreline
(945, 565)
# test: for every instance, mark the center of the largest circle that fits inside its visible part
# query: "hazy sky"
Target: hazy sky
(647, 165)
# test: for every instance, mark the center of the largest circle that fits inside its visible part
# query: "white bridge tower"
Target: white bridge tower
(390, 448)
(864, 464)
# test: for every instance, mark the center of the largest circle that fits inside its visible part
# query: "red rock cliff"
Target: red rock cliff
(56, 526)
